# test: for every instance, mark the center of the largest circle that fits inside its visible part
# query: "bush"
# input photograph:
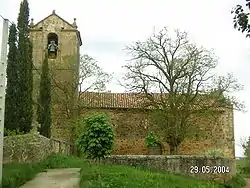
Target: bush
(79, 125)
(151, 140)
(97, 140)
(8, 132)
(215, 153)
(237, 181)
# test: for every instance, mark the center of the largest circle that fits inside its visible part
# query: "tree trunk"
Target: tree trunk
(173, 149)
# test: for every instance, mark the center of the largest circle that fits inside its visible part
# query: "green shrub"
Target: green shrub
(237, 181)
(97, 140)
(8, 132)
(151, 140)
(215, 153)
(79, 125)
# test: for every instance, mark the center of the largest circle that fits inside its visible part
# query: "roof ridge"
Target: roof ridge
(53, 13)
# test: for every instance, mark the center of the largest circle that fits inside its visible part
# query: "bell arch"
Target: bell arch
(52, 43)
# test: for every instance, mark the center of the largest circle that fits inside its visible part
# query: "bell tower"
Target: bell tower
(60, 41)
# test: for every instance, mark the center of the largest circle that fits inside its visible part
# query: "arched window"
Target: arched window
(52, 45)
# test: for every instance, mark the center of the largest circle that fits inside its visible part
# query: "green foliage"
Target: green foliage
(25, 77)
(98, 137)
(18, 113)
(79, 124)
(44, 107)
(114, 176)
(14, 175)
(215, 153)
(12, 98)
(246, 147)
(237, 181)
(243, 165)
(8, 132)
(62, 161)
(151, 140)
(241, 20)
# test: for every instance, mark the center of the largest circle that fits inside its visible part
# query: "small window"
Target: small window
(52, 45)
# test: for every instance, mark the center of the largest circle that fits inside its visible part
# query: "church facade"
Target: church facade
(60, 41)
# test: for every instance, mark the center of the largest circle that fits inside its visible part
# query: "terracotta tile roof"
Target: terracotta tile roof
(118, 100)
(112, 100)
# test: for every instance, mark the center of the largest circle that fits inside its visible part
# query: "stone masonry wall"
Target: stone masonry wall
(202, 167)
(62, 69)
(31, 148)
(131, 127)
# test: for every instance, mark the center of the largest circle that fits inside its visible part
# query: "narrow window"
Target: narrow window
(52, 45)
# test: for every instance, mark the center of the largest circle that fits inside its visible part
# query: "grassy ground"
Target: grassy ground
(15, 175)
(105, 176)
(113, 176)
(242, 167)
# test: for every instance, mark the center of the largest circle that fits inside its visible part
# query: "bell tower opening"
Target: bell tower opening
(52, 45)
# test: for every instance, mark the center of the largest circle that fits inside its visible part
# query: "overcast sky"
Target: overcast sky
(106, 26)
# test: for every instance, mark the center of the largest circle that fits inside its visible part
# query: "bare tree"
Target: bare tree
(243, 142)
(69, 91)
(177, 79)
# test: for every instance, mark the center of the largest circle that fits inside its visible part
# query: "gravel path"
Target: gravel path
(55, 178)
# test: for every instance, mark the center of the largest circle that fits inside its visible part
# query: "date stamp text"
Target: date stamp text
(209, 169)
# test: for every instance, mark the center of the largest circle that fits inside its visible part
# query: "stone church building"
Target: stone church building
(60, 41)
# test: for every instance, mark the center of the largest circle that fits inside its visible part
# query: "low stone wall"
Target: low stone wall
(60, 146)
(202, 167)
(31, 148)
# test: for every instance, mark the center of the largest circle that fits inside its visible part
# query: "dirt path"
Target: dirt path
(55, 178)
(247, 183)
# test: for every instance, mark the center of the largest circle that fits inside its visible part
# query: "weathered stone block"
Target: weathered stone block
(31, 148)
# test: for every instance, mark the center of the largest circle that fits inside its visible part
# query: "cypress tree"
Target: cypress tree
(24, 59)
(44, 109)
(12, 98)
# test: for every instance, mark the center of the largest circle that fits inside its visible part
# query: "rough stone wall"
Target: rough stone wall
(132, 125)
(202, 167)
(26, 148)
(31, 148)
(62, 69)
